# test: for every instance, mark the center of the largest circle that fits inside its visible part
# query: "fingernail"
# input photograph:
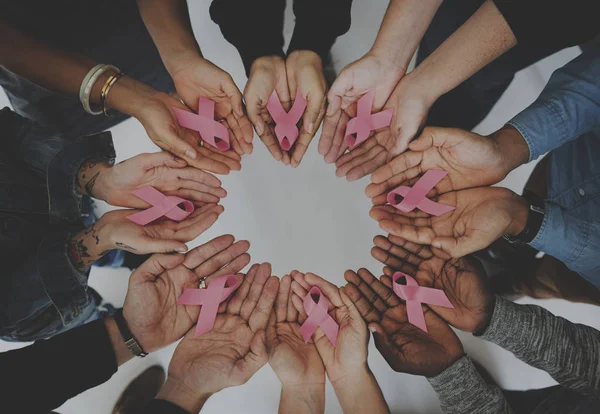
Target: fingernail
(437, 244)
(309, 127)
(372, 329)
(181, 249)
(260, 129)
(191, 154)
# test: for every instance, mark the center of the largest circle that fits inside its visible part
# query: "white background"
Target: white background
(307, 219)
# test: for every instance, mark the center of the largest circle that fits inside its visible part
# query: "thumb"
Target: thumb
(455, 247)
(334, 101)
(379, 335)
(159, 159)
(177, 146)
(430, 137)
(313, 111)
(157, 264)
(235, 96)
(163, 246)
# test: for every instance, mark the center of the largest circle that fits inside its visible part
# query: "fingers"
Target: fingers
(329, 126)
(260, 279)
(244, 147)
(337, 144)
(311, 120)
(198, 225)
(234, 95)
(200, 254)
(158, 159)
(155, 265)
(399, 166)
(282, 302)
(368, 285)
(264, 307)
(235, 303)
(361, 161)
(430, 137)
(365, 308)
(235, 255)
(397, 256)
(199, 176)
(152, 245)
(330, 290)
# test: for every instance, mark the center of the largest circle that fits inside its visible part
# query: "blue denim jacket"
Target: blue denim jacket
(40, 208)
(565, 121)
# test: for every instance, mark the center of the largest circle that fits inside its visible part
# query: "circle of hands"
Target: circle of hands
(259, 323)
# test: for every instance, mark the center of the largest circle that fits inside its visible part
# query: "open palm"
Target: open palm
(463, 280)
(151, 309)
(234, 349)
(405, 347)
(482, 215)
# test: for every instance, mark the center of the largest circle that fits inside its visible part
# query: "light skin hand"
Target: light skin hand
(305, 74)
(405, 347)
(463, 280)
(155, 112)
(162, 170)
(151, 309)
(234, 350)
(464, 230)
(372, 71)
(470, 160)
(267, 74)
(297, 364)
(346, 363)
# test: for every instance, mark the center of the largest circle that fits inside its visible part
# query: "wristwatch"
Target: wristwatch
(134, 347)
(535, 219)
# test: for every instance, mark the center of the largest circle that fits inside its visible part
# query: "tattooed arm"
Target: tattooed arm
(87, 176)
(89, 245)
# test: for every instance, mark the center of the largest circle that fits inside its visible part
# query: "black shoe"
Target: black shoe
(140, 391)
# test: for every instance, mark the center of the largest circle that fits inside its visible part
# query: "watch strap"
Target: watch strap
(535, 218)
(134, 347)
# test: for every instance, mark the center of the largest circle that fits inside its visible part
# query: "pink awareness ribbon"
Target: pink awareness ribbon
(416, 196)
(286, 128)
(414, 295)
(162, 205)
(211, 131)
(218, 290)
(360, 127)
(316, 306)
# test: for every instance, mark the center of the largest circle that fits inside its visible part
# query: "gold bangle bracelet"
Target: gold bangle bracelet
(106, 89)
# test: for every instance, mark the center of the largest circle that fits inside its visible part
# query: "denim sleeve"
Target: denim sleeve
(55, 159)
(461, 389)
(566, 350)
(579, 240)
(568, 106)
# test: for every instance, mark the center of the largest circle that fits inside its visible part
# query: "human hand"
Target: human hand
(463, 280)
(297, 364)
(482, 215)
(470, 160)
(194, 77)
(234, 349)
(163, 171)
(405, 347)
(161, 236)
(267, 74)
(151, 309)
(305, 74)
(410, 104)
(372, 71)
(349, 356)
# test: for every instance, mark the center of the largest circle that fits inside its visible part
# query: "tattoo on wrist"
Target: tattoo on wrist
(78, 253)
(91, 231)
(123, 246)
(89, 186)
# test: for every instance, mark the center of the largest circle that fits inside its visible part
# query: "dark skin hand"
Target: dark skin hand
(463, 280)
(405, 347)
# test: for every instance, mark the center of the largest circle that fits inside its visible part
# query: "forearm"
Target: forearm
(461, 389)
(403, 26)
(89, 245)
(479, 41)
(360, 393)
(302, 400)
(545, 341)
(168, 22)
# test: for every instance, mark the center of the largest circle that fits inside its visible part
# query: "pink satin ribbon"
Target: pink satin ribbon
(318, 316)
(218, 290)
(211, 131)
(359, 128)
(415, 295)
(286, 128)
(416, 196)
(162, 205)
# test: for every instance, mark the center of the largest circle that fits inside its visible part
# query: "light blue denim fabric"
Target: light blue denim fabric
(565, 121)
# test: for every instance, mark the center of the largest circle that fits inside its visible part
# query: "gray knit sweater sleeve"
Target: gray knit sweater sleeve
(566, 350)
(462, 390)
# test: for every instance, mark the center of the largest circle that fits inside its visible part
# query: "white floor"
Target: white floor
(308, 219)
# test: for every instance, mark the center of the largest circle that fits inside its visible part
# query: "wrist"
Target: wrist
(308, 398)
(394, 64)
(512, 148)
(519, 211)
(178, 393)
(181, 57)
(122, 354)
(90, 179)
(304, 57)
(130, 96)
(351, 379)
(414, 87)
